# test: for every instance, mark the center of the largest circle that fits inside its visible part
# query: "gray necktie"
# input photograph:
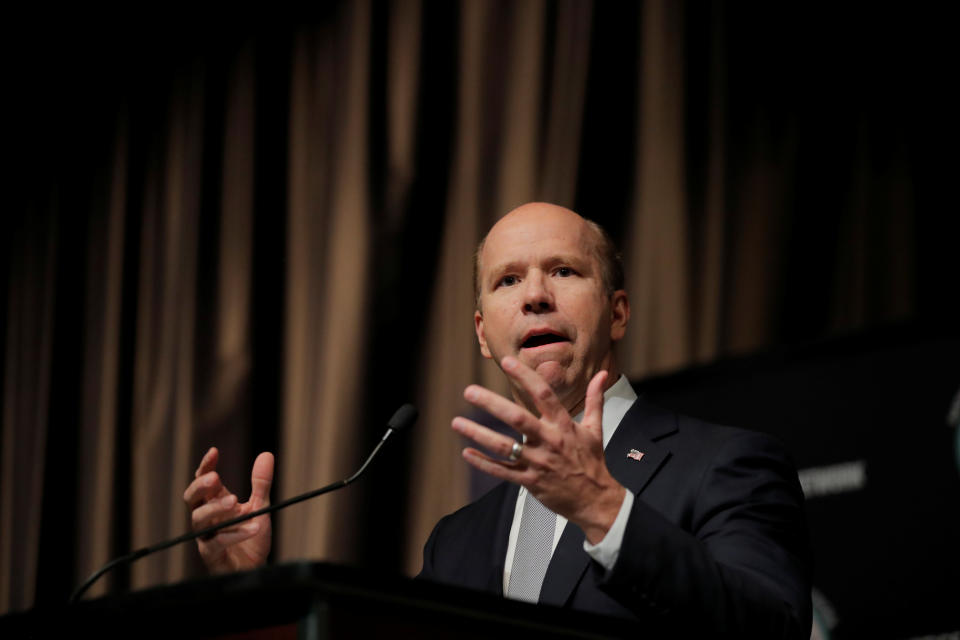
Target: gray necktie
(533, 551)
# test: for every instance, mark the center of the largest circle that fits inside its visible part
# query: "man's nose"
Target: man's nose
(537, 296)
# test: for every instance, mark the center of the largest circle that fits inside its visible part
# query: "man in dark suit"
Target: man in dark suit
(611, 505)
(628, 510)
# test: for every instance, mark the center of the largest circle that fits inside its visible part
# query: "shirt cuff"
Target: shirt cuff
(607, 550)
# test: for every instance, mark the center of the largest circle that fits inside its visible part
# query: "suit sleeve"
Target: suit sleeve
(426, 570)
(741, 568)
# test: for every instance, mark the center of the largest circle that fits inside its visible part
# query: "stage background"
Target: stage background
(255, 232)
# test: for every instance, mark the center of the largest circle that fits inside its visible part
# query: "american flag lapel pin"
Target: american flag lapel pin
(635, 455)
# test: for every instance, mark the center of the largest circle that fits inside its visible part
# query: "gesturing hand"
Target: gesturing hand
(562, 462)
(237, 548)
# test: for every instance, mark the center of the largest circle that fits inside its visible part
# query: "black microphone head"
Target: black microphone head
(403, 417)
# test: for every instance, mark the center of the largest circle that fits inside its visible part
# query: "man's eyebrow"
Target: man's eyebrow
(503, 267)
(567, 259)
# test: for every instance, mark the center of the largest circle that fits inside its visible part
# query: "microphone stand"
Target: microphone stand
(404, 417)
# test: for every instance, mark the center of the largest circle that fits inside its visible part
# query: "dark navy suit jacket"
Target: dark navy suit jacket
(715, 543)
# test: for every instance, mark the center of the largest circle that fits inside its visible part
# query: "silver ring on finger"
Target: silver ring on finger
(515, 451)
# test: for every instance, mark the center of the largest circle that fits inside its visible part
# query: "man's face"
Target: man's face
(542, 299)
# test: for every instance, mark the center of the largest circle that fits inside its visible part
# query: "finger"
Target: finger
(536, 387)
(214, 512)
(247, 530)
(593, 406)
(487, 438)
(496, 468)
(202, 489)
(230, 536)
(261, 479)
(208, 463)
(507, 411)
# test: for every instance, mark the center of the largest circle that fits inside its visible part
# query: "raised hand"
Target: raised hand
(243, 546)
(561, 462)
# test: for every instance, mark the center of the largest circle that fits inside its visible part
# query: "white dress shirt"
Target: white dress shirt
(616, 401)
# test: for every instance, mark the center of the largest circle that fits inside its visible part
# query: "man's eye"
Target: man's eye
(507, 281)
(565, 272)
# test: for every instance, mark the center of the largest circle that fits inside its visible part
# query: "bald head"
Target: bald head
(601, 245)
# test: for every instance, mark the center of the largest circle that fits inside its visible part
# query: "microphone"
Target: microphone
(402, 419)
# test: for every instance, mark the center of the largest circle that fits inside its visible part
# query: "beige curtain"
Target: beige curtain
(656, 257)
(164, 416)
(224, 385)
(95, 491)
(328, 247)
(27, 372)
(708, 285)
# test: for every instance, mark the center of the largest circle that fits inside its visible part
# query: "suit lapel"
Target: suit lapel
(501, 538)
(641, 428)
(568, 563)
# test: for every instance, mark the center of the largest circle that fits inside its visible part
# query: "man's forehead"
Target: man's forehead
(537, 231)
(524, 232)
(541, 215)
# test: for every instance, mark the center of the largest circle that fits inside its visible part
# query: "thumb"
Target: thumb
(261, 479)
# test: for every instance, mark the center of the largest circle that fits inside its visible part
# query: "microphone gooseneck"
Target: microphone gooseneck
(402, 419)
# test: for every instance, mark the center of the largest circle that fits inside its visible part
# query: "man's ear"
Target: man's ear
(619, 314)
(478, 325)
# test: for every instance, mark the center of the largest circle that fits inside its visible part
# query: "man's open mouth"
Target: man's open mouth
(542, 339)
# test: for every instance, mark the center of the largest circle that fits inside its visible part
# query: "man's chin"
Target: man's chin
(554, 374)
